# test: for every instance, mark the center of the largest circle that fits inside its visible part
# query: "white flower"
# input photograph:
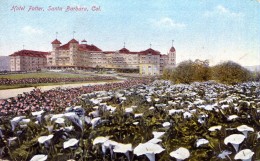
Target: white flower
(148, 149)
(187, 115)
(171, 103)
(109, 144)
(156, 99)
(54, 117)
(37, 113)
(166, 124)
(160, 105)
(69, 128)
(43, 139)
(235, 140)
(180, 154)
(136, 123)
(87, 120)
(25, 121)
(232, 117)
(39, 157)
(173, 111)
(122, 148)
(60, 121)
(95, 121)
(129, 110)
(158, 134)
(15, 121)
(201, 142)
(244, 155)
(10, 140)
(154, 140)
(69, 143)
(100, 139)
(245, 129)
(202, 118)
(73, 117)
(224, 106)
(214, 128)
(209, 107)
(122, 98)
(94, 113)
(151, 108)
(149, 100)
(95, 101)
(258, 135)
(138, 115)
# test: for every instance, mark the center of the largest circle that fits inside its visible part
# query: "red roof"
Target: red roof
(124, 50)
(56, 42)
(73, 41)
(86, 47)
(172, 49)
(81, 47)
(30, 53)
(64, 47)
(150, 51)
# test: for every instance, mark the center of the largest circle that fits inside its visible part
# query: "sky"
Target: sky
(217, 30)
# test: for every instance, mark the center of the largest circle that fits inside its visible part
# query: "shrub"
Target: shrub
(231, 73)
(184, 72)
(189, 71)
(202, 70)
(166, 73)
(127, 70)
(256, 76)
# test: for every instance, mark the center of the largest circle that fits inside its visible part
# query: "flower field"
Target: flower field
(158, 121)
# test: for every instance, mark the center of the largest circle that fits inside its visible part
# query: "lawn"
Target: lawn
(3, 87)
(43, 75)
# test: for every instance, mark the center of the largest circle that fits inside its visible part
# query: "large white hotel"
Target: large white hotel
(82, 55)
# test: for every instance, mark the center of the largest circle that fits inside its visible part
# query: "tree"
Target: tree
(231, 73)
(184, 72)
(190, 71)
(166, 73)
(202, 70)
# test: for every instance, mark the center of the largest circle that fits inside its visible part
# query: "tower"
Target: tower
(55, 44)
(172, 56)
(84, 42)
(73, 44)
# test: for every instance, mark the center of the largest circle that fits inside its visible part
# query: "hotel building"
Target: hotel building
(28, 60)
(82, 55)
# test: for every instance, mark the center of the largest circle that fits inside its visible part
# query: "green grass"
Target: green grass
(3, 87)
(43, 75)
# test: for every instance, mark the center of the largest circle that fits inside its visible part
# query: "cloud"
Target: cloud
(169, 23)
(31, 30)
(220, 10)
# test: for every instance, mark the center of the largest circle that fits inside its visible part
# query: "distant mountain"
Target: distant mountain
(253, 68)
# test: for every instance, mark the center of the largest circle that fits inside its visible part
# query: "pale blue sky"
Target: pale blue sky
(217, 30)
